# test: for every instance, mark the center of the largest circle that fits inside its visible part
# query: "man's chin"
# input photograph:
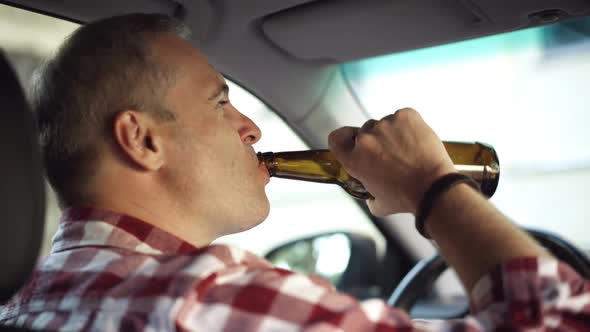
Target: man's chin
(261, 209)
(252, 217)
(262, 214)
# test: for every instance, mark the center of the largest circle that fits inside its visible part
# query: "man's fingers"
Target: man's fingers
(389, 117)
(341, 141)
(377, 208)
(368, 126)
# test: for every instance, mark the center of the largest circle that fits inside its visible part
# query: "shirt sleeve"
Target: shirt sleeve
(526, 292)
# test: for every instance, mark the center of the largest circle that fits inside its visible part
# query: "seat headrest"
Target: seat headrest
(22, 189)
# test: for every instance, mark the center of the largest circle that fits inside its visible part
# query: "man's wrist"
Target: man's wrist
(449, 200)
(439, 187)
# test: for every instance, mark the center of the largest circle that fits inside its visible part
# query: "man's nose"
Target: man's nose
(247, 129)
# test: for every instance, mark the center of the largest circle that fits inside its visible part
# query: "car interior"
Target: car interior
(298, 58)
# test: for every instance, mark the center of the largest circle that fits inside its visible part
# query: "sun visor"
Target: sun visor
(346, 30)
(86, 11)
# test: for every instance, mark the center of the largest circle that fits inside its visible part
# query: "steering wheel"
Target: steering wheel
(423, 275)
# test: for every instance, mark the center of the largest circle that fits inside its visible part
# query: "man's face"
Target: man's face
(211, 165)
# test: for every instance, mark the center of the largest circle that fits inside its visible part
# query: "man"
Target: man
(152, 163)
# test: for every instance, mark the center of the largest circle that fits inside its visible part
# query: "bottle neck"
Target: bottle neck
(309, 165)
(268, 160)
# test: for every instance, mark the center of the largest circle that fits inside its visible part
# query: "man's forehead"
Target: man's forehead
(190, 63)
(212, 80)
(176, 51)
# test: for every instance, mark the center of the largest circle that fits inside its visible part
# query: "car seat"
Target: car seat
(22, 188)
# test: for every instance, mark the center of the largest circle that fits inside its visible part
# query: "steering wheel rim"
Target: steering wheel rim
(423, 275)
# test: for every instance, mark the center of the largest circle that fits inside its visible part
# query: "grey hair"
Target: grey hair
(103, 68)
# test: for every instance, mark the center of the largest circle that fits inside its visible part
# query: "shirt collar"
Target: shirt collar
(87, 226)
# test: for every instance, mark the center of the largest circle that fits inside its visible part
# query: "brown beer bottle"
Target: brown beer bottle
(477, 160)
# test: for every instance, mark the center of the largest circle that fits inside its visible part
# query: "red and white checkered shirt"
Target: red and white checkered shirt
(111, 272)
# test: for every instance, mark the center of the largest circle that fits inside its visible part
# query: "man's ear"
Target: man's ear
(136, 134)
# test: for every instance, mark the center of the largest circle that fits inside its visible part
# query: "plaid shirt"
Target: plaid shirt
(111, 272)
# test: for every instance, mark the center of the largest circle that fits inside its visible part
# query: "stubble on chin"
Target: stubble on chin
(246, 214)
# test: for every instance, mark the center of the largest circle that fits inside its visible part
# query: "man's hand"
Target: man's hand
(396, 158)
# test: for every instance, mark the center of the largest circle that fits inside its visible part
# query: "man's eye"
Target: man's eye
(223, 103)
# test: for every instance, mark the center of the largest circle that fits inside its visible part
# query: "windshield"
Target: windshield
(526, 93)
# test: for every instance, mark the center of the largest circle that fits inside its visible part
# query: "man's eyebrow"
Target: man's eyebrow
(222, 89)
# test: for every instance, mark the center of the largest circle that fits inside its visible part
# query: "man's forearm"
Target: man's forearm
(473, 236)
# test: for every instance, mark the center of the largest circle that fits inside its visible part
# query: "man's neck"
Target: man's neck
(148, 204)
